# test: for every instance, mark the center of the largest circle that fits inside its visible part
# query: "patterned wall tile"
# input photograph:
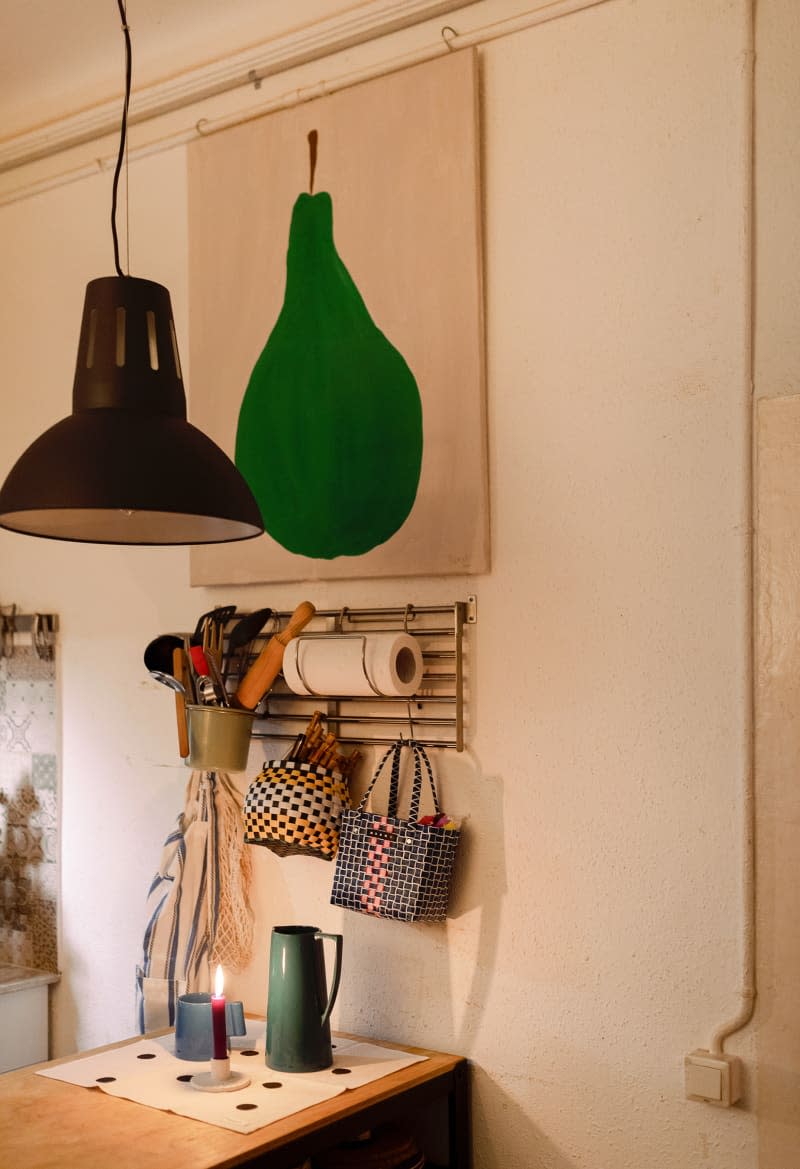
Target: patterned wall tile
(28, 811)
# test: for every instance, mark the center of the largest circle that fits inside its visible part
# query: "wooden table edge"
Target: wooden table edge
(234, 1149)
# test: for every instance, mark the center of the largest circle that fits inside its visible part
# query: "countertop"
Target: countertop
(23, 978)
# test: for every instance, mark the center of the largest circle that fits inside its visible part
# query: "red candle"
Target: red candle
(218, 1029)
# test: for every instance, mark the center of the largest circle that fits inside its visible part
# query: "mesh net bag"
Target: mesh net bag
(233, 937)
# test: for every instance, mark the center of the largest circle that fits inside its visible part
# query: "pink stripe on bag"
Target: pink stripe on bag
(376, 869)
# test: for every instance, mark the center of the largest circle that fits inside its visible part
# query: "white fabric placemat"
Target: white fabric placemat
(149, 1073)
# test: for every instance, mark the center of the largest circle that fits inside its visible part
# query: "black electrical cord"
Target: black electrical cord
(122, 134)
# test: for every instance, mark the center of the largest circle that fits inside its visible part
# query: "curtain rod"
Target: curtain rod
(205, 126)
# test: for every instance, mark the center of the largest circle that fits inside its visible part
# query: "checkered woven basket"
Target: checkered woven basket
(295, 809)
(388, 867)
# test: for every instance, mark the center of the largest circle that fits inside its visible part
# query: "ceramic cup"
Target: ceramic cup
(193, 1025)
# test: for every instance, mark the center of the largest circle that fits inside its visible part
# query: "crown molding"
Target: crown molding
(318, 40)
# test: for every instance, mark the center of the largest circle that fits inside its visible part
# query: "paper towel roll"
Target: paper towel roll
(354, 665)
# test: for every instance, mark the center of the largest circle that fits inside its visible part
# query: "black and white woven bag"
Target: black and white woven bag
(389, 867)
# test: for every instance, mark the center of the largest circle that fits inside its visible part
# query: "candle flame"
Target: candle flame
(218, 982)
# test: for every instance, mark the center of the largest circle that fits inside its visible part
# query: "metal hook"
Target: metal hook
(8, 630)
(448, 28)
(36, 635)
(49, 637)
(410, 719)
(42, 631)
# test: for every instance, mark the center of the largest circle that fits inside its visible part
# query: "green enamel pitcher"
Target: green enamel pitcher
(299, 1002)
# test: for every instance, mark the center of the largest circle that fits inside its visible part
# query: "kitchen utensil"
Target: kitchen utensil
(158, 654)
(216, 677)
(213, 638)
(198, 659)
(208, 689)
(191, 672)
(168, 680)
(298, 1001)
(220, 616)
(267, 665)
(212, 648)
(216, 617)
(179, 671)
(245, 630)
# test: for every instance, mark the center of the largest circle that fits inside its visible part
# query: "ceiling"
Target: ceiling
(58, 57)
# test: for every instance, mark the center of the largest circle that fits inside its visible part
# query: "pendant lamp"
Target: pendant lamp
(126, 467)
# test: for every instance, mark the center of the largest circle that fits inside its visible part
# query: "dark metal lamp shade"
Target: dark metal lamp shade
(126, 467)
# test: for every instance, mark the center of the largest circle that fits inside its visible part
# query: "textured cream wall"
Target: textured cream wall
(777, 387)
(777, 204)
(778, 797)
(596, 931)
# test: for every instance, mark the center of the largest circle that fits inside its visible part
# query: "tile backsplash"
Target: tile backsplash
(28, 811)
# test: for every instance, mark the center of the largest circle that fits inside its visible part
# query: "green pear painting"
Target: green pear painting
(329, 436)
(336, 328)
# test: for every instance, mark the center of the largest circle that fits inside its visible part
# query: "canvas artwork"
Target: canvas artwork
(336, 329)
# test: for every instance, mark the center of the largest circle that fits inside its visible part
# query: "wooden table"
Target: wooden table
(49, 1124)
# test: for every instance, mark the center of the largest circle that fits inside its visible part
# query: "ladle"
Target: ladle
(158, 655)
(168, 680)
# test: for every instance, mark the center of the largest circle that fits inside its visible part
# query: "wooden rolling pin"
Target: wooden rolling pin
(267, 666)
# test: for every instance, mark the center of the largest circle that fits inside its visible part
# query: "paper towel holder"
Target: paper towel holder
(404, 665)
(323, 636)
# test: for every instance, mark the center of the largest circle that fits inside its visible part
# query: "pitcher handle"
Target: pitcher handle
(337, 973)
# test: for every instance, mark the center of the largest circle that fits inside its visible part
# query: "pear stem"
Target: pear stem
(312, 158)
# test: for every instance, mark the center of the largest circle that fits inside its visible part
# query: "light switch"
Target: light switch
(712, 1079)
(703, 1082)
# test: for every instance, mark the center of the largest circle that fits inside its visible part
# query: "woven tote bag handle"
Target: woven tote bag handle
(420, 757)
(394, 751)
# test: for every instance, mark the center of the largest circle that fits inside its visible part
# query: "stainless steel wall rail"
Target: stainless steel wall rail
(435, 715)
